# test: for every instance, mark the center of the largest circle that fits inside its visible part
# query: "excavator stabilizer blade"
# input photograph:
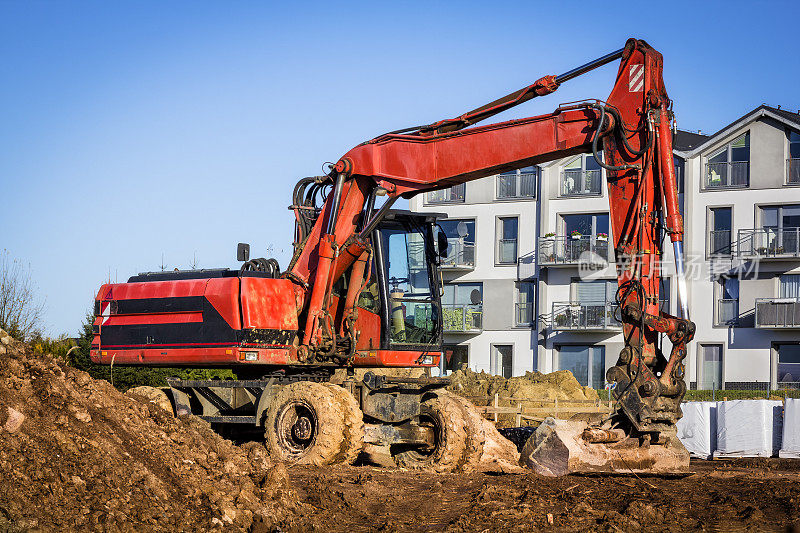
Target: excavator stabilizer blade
(560, 447)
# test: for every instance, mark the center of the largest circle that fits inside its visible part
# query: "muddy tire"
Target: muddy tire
(476, 436)
(446, 416)
(354, 423)
(306, 424)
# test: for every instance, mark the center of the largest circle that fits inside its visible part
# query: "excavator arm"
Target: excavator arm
(631, 127)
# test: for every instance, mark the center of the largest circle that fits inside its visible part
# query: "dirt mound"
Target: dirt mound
(534, 389)
(75, 453)
(533, 386)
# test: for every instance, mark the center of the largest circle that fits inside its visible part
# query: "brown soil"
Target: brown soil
(722, 496)
(75, 454)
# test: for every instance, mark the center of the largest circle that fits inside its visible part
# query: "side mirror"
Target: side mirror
(442, 244)
(243, 252)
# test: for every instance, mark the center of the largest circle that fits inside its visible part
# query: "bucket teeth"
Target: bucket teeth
(560, 447)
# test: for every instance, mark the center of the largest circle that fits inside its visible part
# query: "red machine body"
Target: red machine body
(314, 315)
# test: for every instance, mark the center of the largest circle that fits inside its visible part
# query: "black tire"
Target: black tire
(354, 423)
(446, 416)
(306, 424)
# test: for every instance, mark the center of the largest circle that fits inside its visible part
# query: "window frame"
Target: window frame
(728, 148)
(590, 362)
(791, 161)
(498, 232)
(461, 200)
(710, 217)
(561, 176)
(537, 171)
(494, 352)
(533, 286)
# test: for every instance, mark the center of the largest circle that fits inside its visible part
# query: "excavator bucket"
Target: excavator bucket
(560, 447)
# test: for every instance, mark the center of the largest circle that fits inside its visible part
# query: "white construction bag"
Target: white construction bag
(791, 430)
(748, 428)
(697, 430)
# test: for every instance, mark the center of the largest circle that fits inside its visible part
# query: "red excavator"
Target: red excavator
(311, 345)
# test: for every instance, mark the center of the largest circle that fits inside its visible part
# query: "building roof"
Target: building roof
(787, 117)
(683, 141)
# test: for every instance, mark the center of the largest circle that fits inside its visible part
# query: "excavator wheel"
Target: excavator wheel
(354, 422)
(476, 436)
(446, 416)
(307, 423)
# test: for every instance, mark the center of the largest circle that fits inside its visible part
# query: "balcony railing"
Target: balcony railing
(576, 182)
(462, 318)
(778, 313)
(727, 313)
(454, 194)
(524, 313)
(521, 185)
(768, 243)
(569, 250)
(793, 171)
(573, 316)
(729, 174)
(507, 251)
(719, 242)
(460, 255)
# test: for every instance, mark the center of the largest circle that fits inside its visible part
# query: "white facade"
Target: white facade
(737, 185)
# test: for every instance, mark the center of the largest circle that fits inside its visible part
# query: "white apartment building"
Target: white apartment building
(509, 309)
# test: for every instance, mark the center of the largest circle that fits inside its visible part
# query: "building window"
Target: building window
(517, 183)
(587, 364)
(462, 307)
(790, 286)
(582, 176)
(460, 243)
(793, 163)
(780, 230)
(727, 311)
(719, 235)
(454, 194)
(730, 166)
(507, 235)
(524, 311)
(788, 366)
(664, 300)
(711, 366)
(679, 172)
(456, 356)
(502, 360)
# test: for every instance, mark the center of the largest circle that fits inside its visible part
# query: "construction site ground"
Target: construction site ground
(76, 454)
(730, 495)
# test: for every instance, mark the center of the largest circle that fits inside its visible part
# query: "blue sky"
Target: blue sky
(129, 130)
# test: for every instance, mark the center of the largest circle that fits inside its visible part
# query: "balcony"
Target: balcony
(573, 316)
(719, 243)
(462, 318)
(516, 185)
(507, 251)
(793, 171)
(562, 250)
(577, 182)
(727, 313)
(460, 255)
(727, 175)
(524, 314)
(451, 195)
(778, 313)
(768, 243)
